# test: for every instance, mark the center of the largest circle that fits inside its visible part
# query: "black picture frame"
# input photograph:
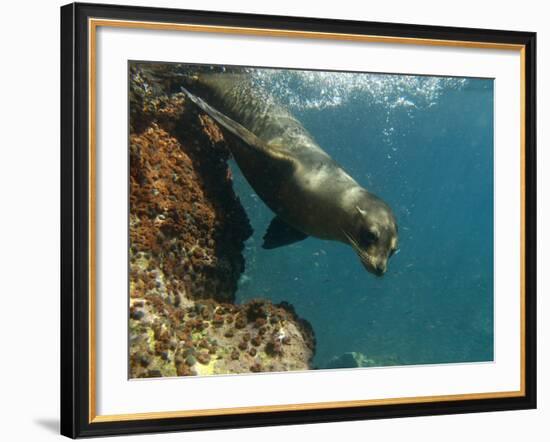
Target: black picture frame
(75, 221)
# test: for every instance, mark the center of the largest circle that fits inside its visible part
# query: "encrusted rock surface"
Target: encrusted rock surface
(187, 231)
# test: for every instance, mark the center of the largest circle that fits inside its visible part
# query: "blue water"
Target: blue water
(425, 146)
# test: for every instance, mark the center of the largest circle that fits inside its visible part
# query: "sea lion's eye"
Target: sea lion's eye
(368, 237)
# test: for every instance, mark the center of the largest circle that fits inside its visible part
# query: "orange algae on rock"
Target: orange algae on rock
(187, 231)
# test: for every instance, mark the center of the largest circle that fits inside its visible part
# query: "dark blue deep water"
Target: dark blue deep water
(425, 146)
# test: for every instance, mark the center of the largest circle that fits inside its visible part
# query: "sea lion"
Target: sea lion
(309, 192)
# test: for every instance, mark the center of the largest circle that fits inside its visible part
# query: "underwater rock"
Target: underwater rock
(354, 359)
(187, 233)
(184, 214)
(350, 359)
(165, 338)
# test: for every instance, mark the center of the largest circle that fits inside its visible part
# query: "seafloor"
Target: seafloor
(187, 231)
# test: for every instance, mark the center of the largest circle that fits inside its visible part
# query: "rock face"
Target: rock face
(187, 232)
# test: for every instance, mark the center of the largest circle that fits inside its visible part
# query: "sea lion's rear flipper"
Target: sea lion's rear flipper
(249, 138)
(281, 234)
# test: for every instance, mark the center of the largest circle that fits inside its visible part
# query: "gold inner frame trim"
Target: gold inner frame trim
(93, 24)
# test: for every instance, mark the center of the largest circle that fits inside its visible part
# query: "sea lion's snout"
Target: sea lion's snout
(374, 236)
(373, 253)
(380, 269)
(377, 268)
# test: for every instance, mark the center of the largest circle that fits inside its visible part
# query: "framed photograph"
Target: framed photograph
(279, 220)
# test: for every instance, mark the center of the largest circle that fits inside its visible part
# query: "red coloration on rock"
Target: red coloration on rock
(187, 233)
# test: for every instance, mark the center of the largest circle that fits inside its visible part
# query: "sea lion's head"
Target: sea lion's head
(373, 233)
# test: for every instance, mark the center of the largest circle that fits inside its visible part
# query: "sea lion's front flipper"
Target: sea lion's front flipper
(281, 234)
(241, 132)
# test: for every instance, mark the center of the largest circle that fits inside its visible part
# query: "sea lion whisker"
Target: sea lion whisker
(350, 238)
(354, 243)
